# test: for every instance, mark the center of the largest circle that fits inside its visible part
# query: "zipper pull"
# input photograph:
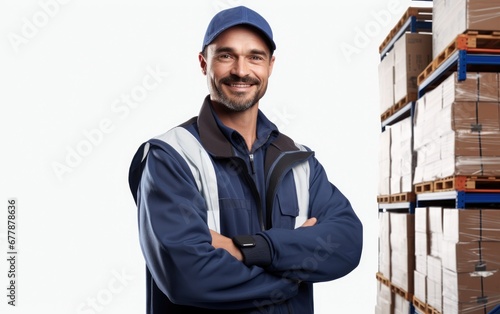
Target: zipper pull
(251, 163)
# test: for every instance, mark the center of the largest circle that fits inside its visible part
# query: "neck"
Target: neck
(244, 122)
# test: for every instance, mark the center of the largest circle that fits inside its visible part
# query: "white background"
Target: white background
(66, 68)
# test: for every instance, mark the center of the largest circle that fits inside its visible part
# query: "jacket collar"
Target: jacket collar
(216, 142)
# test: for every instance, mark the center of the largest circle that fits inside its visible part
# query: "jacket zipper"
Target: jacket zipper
(255, 192)
(251, 163)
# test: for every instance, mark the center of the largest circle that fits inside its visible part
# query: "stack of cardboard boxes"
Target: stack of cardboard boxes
(457, 128)
(457, 259)
(441, 260)
(398, 72)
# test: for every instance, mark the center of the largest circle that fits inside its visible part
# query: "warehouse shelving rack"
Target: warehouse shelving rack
(414, 20)
(460, 60)
(461, 57)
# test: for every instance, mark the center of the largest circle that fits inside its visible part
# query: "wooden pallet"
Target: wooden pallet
(431, 310)
(403, 293)
(471, 41)
(420, 305)
(382, 279)
(396, 198)
(403, 197)
(421, 14)
(394, 289)
(398, 106)
(383, 199)
(424, 307)
(460, 183)
(424, 187)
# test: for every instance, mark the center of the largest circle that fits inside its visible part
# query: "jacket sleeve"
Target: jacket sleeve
(176, 241)
(326, 251)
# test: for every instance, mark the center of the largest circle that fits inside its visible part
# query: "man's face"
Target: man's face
(238, 64)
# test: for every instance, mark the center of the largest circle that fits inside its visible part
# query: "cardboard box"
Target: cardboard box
(435, 294)
(401, 157)
(490, 225)
(470, 257)
(468, 154)
(386, 82)
(435, 244)
(384, 251)
(451, 18)
(421, 264)
(479, 306)
(471, 225)
(435, 215)
(412, 54)
(421, 244)
(384, 164)
(401, 305)
(402, 250)
(469, 287)
(475, 117)
(434, 269)
(420, 289)
(478, 86)
(402, 266)
(402, 225)
(421, 218)
(461, 225)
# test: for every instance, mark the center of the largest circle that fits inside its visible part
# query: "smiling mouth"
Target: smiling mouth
(236, 82)
(240, 85)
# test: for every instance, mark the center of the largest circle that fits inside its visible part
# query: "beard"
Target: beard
(240, 101)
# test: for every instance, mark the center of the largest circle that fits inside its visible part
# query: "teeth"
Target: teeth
(239, 85)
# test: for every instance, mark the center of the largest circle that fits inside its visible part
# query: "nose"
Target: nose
(240, 68)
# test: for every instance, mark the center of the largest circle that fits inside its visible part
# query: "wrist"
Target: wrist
(255, 250)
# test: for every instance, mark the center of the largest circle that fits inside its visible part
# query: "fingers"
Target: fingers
(310, 222)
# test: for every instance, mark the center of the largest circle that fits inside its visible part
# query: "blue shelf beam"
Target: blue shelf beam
(461, 59)
(407, 111)
(461, 198)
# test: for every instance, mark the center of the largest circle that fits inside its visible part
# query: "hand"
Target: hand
(309, 222)
(221, 242)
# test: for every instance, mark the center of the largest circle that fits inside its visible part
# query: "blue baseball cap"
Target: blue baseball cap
(237, 16)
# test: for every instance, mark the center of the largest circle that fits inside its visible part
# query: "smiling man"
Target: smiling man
(234, 216)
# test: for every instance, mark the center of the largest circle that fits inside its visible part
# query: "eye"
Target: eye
(256, 58)
(225, 56)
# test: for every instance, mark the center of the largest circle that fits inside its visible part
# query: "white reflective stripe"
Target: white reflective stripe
(202, 168)
(301, 174)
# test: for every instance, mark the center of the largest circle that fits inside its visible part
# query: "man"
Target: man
(234, 217)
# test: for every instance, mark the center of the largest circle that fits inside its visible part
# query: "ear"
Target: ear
(203, 63)
(271, 65)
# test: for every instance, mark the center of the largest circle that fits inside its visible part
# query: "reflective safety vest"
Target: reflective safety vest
(203, 172)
